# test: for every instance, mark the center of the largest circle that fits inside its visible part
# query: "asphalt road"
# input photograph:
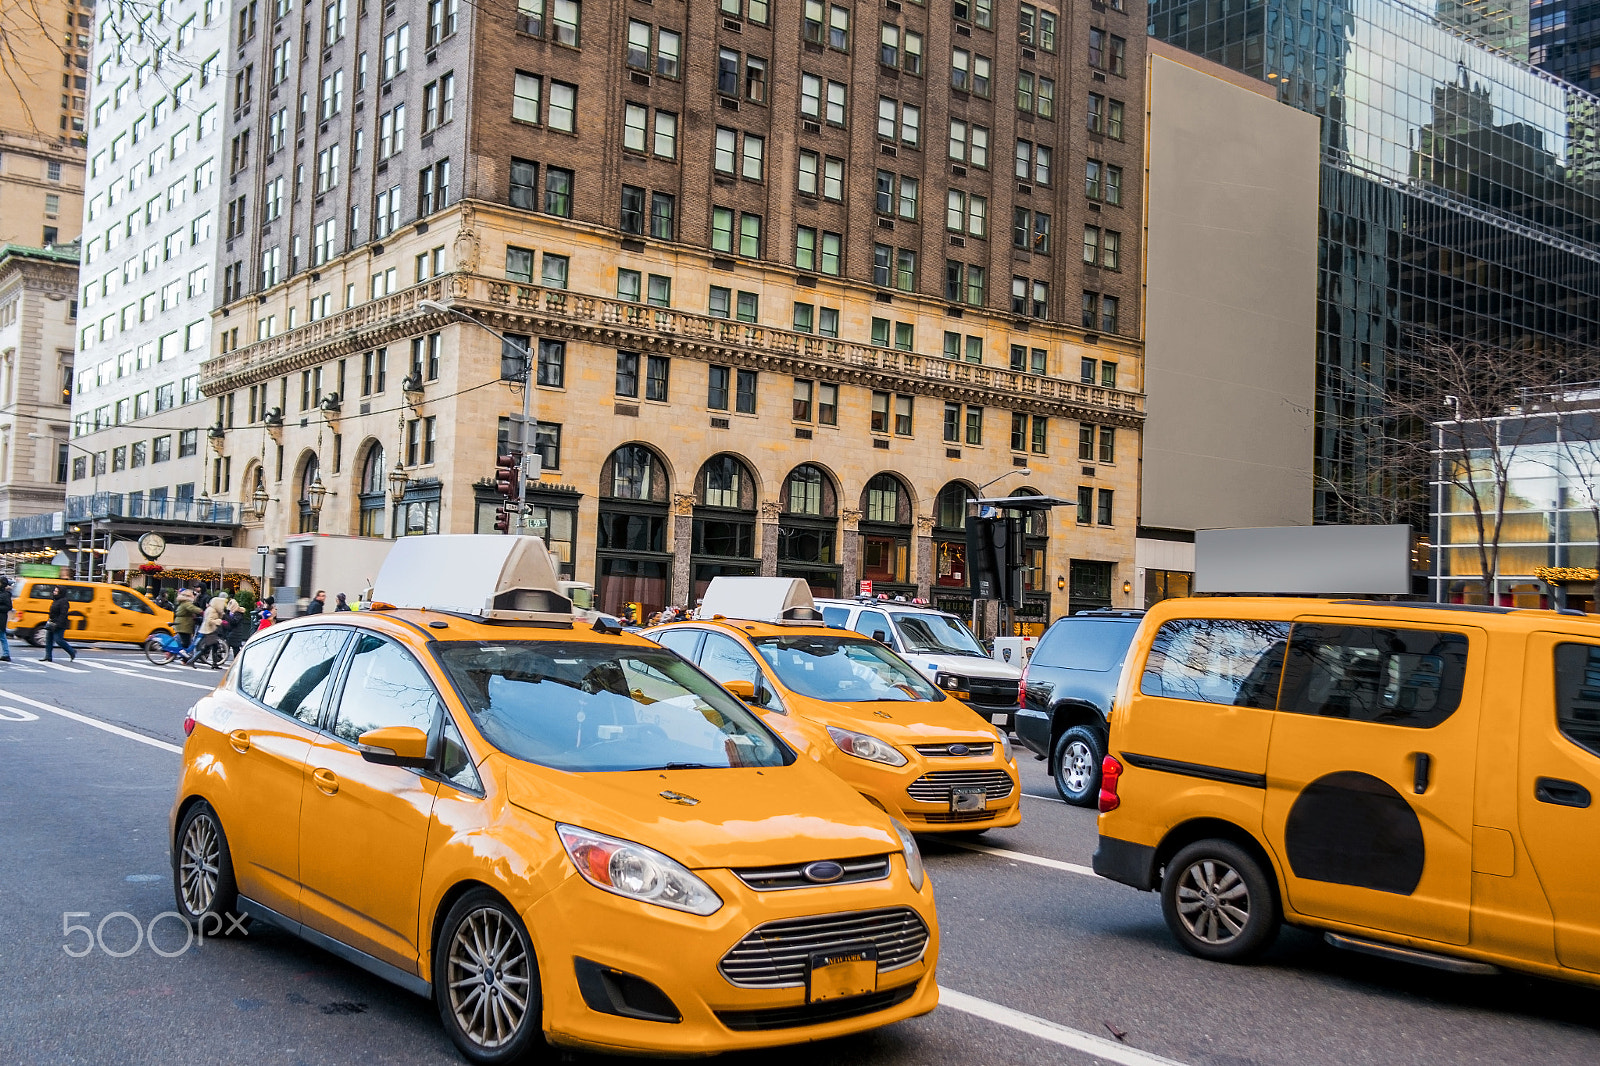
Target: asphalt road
(1041, 962)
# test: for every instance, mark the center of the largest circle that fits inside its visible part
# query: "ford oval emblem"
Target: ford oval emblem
(958, 749)
(822, 873)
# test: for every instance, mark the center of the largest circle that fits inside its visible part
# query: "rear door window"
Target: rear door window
(254, 662)
(128, 601)
(1408, 677)
(1234, 662)
(682, 641)
(75, 593)
(299, 679)
(1578, 694)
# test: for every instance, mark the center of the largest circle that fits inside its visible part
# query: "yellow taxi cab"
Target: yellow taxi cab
(559, 832)
(1414, 780)
(98, 611)
(853, 705)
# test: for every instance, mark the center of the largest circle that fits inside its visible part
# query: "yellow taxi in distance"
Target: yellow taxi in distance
(97, 611)
(1415, 780)
(853, 705)
(559, 832)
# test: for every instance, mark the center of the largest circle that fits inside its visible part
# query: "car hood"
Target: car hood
(905, 722)
(964, 665)
(742, 817)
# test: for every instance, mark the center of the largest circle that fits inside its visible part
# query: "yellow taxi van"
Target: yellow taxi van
(97, 611)
(561, 833)
(852, 704)
(1417, 781)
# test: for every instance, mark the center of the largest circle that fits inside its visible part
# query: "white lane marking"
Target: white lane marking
(95, 722)
(1056, 1033)
(147, 677)
(1052, 799)
(64, 669)
(17, 714)
(1022, 856)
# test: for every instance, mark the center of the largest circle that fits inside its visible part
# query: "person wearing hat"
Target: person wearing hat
(6, 603)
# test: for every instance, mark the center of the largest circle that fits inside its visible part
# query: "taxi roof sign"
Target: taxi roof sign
(496, 578)
(761, 599)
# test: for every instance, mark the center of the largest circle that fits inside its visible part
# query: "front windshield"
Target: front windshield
(936, 634)
(844, 670)
(580, 705)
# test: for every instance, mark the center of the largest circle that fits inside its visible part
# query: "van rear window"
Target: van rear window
(1085, 644)
(1231, 661)
(1409, 677)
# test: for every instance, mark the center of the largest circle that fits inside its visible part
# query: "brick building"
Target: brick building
(799, 279)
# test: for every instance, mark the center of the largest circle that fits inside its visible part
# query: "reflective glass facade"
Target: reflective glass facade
(1564, 38)
(1460, 192)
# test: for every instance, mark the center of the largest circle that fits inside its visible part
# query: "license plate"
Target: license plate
(969, 799)
(841, 973)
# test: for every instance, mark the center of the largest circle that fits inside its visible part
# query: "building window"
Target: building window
(524, 184)
(628, 374)
(552, 363)
(558, 192)
(657, 371)
(717, 388)
(745, 392)
(1103, 508)
(880, 412)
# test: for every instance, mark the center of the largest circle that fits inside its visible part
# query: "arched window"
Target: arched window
(886, 505)
(951, 577)
(309, 473)
(632, 473)
(374, 485)
(808, 530)
(632, 552)
(724, 522)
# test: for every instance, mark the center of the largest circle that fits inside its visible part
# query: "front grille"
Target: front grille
(942, 751)
(997, 692)
(951, 817)
(776, 878)
(831, 1010)
(935, 787)
(775, 955)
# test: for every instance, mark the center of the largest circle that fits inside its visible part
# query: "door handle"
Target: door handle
(1561, 793)
(326, 780)
(240, 740)
(1420, 775)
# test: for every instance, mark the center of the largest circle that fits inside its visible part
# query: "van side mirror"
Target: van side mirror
(396, 745)
(880, 636)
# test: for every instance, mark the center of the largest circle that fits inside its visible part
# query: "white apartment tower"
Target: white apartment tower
(152, 202)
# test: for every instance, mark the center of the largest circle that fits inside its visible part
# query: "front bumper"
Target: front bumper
(888, 787)
(679, 954)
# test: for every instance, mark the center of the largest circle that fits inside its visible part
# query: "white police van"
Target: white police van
(939, 645)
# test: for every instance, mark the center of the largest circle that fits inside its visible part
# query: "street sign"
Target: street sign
(263, 550)
(866, 588)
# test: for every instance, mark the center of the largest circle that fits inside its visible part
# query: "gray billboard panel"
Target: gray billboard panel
(1304, 560)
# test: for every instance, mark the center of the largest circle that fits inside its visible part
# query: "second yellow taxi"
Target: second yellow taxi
(853, 705)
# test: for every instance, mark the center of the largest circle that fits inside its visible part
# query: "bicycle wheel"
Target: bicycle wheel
(156, 650)
(216, 656)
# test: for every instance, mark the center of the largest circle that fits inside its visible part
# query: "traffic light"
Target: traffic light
(502, 519)
(506, 472)
(994, 558)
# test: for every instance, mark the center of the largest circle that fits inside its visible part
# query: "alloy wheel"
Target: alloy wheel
(1213, 901)
(488, 978)
(1077, 766)
(200, 865)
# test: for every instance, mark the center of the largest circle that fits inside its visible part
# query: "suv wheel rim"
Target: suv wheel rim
(488, 978)
(1077, 766)
(1213, 901)
(200, 865)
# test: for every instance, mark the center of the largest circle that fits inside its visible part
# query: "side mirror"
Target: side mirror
(396, 745)
(745, 690)
(880, 636)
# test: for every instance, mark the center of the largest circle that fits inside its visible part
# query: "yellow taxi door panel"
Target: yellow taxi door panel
(364, 827)
(1370, 776)
(1558, 787)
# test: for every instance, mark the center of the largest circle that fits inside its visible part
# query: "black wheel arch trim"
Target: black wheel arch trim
(1194, 769)
(1069, 713)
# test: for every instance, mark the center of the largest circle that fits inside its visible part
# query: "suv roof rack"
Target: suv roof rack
(1110, 612)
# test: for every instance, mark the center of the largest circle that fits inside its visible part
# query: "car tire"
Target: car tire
(202, 874)
(1219, 902)
(479, 1003)
(1077, 766)
(34, 636)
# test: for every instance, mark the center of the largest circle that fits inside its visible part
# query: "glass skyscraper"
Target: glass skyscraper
(1460, 199)
(1564, 38)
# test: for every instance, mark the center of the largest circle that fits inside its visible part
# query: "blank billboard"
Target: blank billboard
(1304, 560)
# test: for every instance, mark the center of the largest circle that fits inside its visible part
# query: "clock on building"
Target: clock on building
(151, 545)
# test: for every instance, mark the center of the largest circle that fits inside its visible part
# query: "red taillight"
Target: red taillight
(188, 722)
(1110, 773)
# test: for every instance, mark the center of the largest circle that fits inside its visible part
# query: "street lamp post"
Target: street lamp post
(528, 446)
(94, 469)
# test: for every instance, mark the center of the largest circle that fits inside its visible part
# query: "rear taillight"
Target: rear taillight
(1110, 774)
(188, 722)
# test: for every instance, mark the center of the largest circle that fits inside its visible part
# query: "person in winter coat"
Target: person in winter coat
(57, 625)
(318, 603)
(213, 629)
(185, 617)
(342, 605)
(6, 603)
(236, 625)
(266, 613)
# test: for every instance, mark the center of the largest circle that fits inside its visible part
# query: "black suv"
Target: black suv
(1067, 687)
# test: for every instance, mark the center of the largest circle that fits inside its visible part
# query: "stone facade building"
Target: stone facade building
(37, 292)
(44, 80)
(798, 281)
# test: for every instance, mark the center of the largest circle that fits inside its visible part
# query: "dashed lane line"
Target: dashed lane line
(96, 723)
(143, 676)
(1036, 796)
(1098, 1046)
(1022, 856)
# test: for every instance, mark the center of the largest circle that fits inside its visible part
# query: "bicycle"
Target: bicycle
(162, 648)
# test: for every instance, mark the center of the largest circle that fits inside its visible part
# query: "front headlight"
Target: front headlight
(866, 747)
(637, 872)
(908, 847)
(1005, 747)
(952, 682)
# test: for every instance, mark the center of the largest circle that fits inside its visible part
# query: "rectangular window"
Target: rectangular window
(750, 235)
(634, 120)
(558, 192)
(1108, 444)
(802, 400)
(1111, 257)
(563, 110)
(1040, 434)
(880, 412)
(519, 264)
(657, 370)
(720, 303)
(629, 285)
(807, 180)
(828, 405)
(717, 388)
(804, 317)
(1086, 443)
(553, 271)
(524, 185)
(1086, 506)
(628, 374)
(662, 210)
(525, 97)
(666, 139)
(975, 426)
(748, 306)
(745, 392)
(1108, 314)
(660, 290)
(1103, 508)
(552, 363)
(632, 220)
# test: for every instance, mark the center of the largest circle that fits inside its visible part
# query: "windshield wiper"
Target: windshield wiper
(681, 766)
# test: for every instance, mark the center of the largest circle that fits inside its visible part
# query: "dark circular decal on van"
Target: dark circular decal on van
(1351, 828)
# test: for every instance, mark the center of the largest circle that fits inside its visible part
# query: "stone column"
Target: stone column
(682, 590)
(924, 565)
(850, 550)
(768, 526)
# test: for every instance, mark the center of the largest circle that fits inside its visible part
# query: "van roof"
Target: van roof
(1289, 606)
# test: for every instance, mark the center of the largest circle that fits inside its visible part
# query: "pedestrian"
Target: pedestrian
(318, 603)
(185, 617)
(213, 630)
(236, 625)
(6, 603)
(57, 626)
(267, 614)
(342, 605)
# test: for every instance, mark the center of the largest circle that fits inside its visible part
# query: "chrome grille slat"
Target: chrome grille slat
(788, 876)
(942, 751)
(775, 955)
(935, 787)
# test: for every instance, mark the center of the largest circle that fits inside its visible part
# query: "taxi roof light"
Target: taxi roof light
(779, 600)
(493, 578)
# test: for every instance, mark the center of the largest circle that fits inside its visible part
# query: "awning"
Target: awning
(125, 555)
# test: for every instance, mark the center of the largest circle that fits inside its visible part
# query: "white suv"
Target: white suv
(939, 645)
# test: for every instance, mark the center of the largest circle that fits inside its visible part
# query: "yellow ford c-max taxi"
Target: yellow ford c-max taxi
(853, 705)
(1414, 780)
(558, 832)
